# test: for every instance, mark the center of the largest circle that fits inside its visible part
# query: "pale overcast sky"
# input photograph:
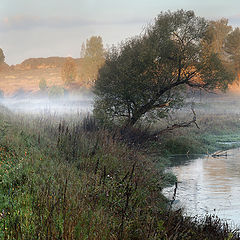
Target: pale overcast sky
(34, 28)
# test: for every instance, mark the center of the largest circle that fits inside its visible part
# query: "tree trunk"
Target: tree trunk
(138, 114)
(150, 105)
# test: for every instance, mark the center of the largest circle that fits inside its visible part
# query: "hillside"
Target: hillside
(26, 76)
(43, 63)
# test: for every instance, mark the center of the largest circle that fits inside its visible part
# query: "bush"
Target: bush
(42, 84)
(56, 92)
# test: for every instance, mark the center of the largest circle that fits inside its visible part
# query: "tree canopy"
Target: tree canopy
(216, 35)
(146, 75)
(93, 54)
(232, 47)
(224, 41)
(42, 84)
(69, 71)
(94, 48)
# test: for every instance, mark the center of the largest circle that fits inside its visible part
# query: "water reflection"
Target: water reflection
(210, 185)
(184, 159)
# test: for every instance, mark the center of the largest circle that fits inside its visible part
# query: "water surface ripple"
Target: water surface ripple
(209, 185)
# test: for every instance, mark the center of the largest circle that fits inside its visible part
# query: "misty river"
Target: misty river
(208, 185)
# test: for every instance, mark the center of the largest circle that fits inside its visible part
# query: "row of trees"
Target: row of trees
(146, 76)
(69, 71)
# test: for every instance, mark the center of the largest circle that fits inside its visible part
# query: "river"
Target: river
(209, 185)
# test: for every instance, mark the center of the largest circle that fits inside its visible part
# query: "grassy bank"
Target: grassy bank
(215, 132)
(68, 179)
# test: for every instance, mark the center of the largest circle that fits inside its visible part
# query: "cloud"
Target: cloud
(31, 22)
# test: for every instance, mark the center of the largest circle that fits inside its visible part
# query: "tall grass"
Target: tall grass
(70, 179)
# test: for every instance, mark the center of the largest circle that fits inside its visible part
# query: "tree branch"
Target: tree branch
(162, 105)
(177, 125)
(179, 69)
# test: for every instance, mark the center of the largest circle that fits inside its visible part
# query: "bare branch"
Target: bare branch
(197, 85)
(162, 105)
(177, 125)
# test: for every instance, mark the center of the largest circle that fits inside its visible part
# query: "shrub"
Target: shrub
(42, 84)
(56, 92)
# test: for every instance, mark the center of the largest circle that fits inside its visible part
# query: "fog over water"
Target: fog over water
(35, 105)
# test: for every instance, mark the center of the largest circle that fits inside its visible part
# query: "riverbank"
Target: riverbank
(215, 132)
(69, 179)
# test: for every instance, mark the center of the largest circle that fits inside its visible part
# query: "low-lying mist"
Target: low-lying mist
(39, 105)
(218, 104)
(213, 104)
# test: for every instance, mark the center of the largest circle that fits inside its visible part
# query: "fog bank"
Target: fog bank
(69, 105)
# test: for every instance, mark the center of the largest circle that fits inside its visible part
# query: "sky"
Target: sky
(34, 28)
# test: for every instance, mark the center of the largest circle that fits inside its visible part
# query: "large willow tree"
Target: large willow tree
(146, 75)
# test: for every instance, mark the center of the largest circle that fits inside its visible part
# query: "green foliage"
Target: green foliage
(71, 180)
(67, 181)
(56, 92)
(215, 37)
(146, 77)
(185, 145)
(43, 84)
(223, 40)
(93, 55)
(94, 49)
(232, 47)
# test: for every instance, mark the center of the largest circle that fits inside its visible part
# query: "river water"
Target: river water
(209, 185)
